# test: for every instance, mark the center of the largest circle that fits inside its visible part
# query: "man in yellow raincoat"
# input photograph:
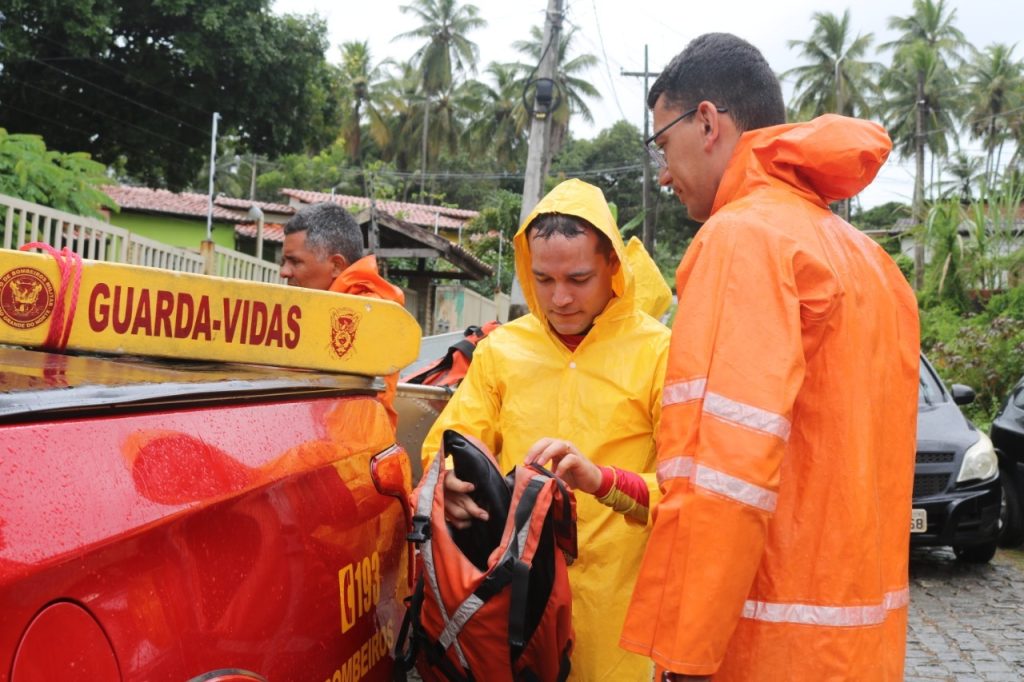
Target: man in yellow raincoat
(584, 370)
(786, 445)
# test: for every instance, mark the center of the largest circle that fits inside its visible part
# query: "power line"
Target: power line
(127, 76)
(96, 111)
(607, 66)
(111, 92)
(38, 116)
(492, 175)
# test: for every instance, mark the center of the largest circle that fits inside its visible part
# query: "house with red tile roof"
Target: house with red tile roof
(392, 229)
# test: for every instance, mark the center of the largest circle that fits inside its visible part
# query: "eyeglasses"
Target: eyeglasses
(655, 151)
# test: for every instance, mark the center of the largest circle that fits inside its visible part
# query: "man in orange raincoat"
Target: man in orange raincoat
(323, 249)
(786, 445)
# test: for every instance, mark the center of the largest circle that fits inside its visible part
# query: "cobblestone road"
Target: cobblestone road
(966, 621)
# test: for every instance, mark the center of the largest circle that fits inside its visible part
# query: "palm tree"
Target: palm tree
(403, 100)
(499, 128)
(996, 87)
(362, 82)
(572, 87)
(925, 52)
(446, 53)
(447, 50)
(836, 78)
(966, 172)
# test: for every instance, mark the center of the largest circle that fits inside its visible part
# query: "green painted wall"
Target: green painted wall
(172, 230)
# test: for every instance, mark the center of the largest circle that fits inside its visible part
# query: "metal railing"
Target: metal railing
(229, 263)
(95, 239)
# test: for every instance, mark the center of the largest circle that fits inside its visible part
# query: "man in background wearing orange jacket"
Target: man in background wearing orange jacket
(786, 445)
(323, 249)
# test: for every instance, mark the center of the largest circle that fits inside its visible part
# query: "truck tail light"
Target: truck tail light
(392, 476)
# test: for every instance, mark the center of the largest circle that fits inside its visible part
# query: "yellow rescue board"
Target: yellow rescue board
(148, 311)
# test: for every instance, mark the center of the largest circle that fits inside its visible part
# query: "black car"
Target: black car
(956, 479)
(1008, 438)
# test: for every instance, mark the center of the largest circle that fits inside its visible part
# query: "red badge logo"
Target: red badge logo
(344, 325)
(26, 298)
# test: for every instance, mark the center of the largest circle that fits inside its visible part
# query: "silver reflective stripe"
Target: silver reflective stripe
(675, 467)
(459, 619)
(425, 503)
(735, 488)
(424, 506)
(717, 482)
(747, 415)
(827, 616)
(683, 391)
(897, 599)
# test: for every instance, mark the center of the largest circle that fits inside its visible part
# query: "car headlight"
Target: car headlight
(980, 461)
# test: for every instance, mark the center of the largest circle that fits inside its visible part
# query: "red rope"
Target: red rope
(70, 265)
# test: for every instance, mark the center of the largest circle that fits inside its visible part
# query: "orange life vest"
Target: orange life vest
(450, 369)
(492, 602)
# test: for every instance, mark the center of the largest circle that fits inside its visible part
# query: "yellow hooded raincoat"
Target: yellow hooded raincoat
(605, 397)
(786, 449)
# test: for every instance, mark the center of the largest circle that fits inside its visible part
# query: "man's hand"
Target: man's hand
(459, 507)
(568, 463)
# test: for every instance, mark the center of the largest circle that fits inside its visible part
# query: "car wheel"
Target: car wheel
(1011, 516)
(976, 554)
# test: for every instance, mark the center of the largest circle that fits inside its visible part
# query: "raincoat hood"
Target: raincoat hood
(824, 160)
(583, 200)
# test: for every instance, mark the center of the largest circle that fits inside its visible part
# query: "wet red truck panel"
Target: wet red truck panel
(243, 534)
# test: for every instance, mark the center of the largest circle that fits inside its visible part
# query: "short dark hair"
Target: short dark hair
(547, 224)
(329, 229)
(727, 71)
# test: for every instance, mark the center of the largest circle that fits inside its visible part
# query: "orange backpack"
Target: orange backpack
(492, 602)
(451, 369)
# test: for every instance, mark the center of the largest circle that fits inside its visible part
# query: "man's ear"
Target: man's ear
(338, 264)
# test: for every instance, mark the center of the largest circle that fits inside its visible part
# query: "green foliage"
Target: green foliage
(985, 352)
(498, 219)
(140, 80)
(837, 78)
(67, 182)
(322, 173)
(945, 278)
(881, 217)
(906, 265)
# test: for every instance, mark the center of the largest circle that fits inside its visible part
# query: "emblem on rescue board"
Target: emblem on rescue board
(344, 325)
(26, 298)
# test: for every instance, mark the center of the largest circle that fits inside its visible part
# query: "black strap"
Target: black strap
(517, 608)
(495, 581)
(566, 665)
(405, 659)
(436, 657)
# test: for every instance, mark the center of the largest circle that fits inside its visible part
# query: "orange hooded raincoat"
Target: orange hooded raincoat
(362, 279)
(786, 444)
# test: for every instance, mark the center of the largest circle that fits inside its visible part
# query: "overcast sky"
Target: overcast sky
(615, 31)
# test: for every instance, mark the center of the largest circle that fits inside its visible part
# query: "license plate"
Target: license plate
(918, 520)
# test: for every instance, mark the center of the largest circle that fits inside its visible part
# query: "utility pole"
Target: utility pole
(538, 156)
(206, 248)
(844, 204)
(648, 233)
